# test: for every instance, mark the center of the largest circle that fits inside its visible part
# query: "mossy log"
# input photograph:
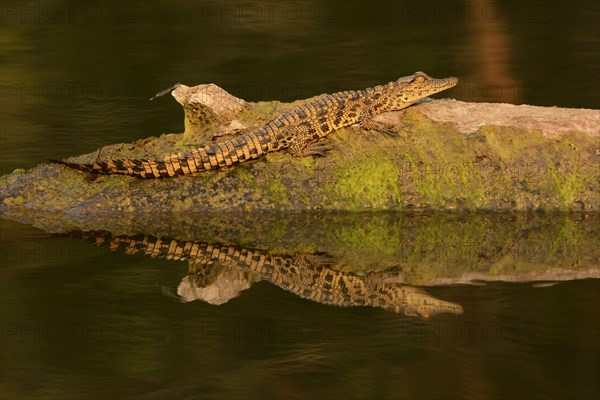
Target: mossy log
(447, 155)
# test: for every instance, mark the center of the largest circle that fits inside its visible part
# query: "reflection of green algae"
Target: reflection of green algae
(366, 236)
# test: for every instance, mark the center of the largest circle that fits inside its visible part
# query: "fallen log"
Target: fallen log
(447, 155)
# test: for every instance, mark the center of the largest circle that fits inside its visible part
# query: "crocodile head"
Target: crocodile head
(420, 85)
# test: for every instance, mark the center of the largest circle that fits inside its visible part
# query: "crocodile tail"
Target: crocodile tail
(139, 168)
(214, 156)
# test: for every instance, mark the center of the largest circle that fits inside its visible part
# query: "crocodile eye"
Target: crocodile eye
(420, 79)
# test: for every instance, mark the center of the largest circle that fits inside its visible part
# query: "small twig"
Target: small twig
(167, 90)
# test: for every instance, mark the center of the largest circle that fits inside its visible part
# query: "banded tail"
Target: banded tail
(214, 156)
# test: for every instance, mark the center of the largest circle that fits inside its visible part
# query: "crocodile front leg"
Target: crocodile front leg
(382, 127)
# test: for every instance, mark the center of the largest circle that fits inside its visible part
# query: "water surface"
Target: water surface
(75, 77)
(81, 321)
(87, 314)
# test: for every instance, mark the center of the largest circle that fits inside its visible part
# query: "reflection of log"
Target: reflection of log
(306, 275)
(448, 155)
(550, 275)
(428, 248)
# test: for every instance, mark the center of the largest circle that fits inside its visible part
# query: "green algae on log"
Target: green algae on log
(447, 155)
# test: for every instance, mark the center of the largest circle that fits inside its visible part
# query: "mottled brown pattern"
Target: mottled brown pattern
(306, 275)
(298, 129)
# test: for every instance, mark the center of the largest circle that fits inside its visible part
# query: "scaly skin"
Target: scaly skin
(306, 275)
(298, 129)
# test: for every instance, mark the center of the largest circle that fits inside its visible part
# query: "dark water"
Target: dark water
(76, 76)
(88, 315)
(80, 321)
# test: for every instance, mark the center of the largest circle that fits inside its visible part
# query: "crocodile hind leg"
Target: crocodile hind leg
(309, 147)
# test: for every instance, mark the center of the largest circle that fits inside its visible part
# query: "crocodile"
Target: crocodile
(301, 129)
(308, 276)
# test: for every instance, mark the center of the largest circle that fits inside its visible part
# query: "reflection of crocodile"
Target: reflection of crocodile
(299, 129)
(306, 275)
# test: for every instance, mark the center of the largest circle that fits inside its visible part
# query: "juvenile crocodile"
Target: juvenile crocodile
(306, 275)
(299, 129)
